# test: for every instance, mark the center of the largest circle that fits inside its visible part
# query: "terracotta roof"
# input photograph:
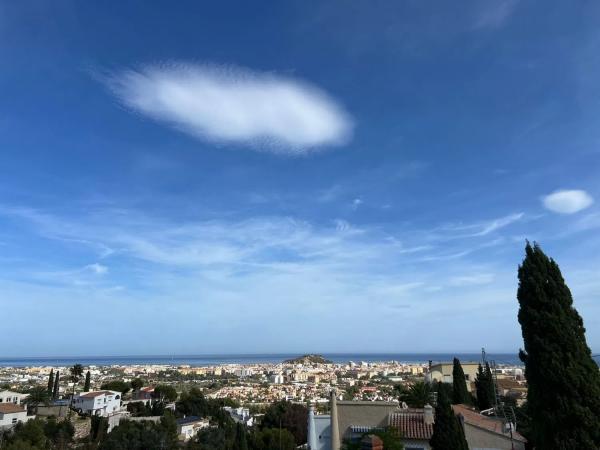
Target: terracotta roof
(509, 384)
(493, 424)
(9, 408)
(412, 425)
(96, 394)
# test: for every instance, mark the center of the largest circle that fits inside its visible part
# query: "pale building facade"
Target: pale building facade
(15, 398)
(443, 372)
(98, 403)
(11, 414)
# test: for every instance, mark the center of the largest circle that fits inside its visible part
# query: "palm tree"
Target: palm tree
(76, 373)
(38, 395)
(417, 395)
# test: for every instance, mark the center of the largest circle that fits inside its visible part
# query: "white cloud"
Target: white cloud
(96, 268)
(356, 203)
(567, 201)
(482, 228)
(234, 105)
(200, 270)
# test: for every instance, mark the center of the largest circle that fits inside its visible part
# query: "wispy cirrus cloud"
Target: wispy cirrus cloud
(244, 269)
(492, 14)
(567, 201)
(232, 105)
(482, 228)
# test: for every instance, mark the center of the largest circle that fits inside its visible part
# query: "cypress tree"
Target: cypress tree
(51, 382)
(241, 442)
(447, 430)
(563, 396)
(459, 385)
(86, 386)
(485, 387)
(490, 384)
(55, 391)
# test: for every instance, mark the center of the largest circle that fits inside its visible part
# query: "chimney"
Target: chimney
(428, 415)
(335, 431)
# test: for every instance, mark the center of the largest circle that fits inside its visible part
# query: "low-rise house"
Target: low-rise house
(12, 397)
(97, 403)
(145, 395)
(443, 372)
(188, 427)
(240, 415)
(351, 421)
(488, 433)
(415, 426)
(11, 414)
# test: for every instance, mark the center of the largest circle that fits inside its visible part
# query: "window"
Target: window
(14, 420)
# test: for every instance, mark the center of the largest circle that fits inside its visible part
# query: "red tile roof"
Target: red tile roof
(96, 394)
(10, 408)
(412, 425)
(493, 424)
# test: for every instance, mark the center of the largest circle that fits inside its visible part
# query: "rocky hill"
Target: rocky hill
(308, 360)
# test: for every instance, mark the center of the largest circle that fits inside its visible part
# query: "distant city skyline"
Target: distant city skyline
(287, 177)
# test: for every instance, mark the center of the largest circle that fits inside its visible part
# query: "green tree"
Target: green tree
(51, 382)
(18, 444)
(563, 380)
(88, 382)
(76, 371)
(417, 395)
(56, 386)
(241, 442)
(137, 384)
(291, 416)
(460, 394)
(38, 395)
(30, 432)
(116, 385)
(98, 428)
(271, 439)
(484, 384)
(165, 393)
(447, 430)
(144, 435)
(60, 433)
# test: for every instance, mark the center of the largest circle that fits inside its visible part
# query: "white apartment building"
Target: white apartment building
(276, 378)
(98, 403)
(11, 414)
(15, 398)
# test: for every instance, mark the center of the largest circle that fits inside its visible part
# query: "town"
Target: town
(382, 392)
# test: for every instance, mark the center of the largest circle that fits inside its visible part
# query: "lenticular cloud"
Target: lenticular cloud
(568, 201)
(232, 105)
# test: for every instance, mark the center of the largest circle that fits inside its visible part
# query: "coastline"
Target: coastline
(241, 359)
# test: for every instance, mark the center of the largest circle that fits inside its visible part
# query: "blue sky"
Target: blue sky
(292, 176)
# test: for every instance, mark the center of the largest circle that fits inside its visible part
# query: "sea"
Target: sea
(212, 360)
